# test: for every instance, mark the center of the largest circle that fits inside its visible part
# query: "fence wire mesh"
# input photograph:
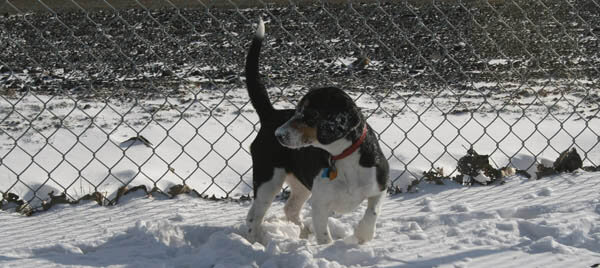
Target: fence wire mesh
(104, 94)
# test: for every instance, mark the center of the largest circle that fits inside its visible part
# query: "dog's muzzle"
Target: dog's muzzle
(282, 134)
(289, 136)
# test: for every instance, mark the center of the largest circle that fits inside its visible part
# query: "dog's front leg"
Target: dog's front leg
(320, 219)
(365, 231)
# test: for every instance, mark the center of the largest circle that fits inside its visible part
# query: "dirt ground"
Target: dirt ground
(17, 6)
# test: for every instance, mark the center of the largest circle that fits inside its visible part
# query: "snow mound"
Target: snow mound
(547, 244)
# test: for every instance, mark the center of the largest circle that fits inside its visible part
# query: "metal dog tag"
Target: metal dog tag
(330, 172)
(333, 173)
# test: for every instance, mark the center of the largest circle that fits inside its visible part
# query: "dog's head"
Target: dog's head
(322, 117)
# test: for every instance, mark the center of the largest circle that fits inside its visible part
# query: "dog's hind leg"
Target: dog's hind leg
(293, 206)
(264, 197)
(365, 231)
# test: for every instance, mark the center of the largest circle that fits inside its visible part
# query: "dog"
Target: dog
(324, 147)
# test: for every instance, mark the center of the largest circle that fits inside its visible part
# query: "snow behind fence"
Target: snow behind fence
(96, 99)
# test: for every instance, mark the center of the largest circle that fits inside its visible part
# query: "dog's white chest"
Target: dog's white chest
(352, 185)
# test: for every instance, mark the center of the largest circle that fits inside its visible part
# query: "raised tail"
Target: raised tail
(256, 89)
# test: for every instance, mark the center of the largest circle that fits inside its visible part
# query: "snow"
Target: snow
(482, 178)
(483, 226)
(552, 222)
(498, 62)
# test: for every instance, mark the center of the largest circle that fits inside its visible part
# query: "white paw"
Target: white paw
(324, 239)
(304, 232)
(364, 232)
(255, 234)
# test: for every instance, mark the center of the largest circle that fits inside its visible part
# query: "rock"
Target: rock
(474, 165)
(179, 189)
(543, 171)
(568, 161)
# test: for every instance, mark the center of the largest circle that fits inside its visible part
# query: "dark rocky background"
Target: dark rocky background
(149, 52)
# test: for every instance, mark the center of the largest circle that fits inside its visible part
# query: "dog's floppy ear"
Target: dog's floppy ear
(336, 126)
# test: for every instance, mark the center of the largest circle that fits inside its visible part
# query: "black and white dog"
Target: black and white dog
(324, 146)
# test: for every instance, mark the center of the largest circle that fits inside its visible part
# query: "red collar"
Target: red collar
(353, 147)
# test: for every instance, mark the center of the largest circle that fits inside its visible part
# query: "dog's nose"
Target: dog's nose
(280, 135)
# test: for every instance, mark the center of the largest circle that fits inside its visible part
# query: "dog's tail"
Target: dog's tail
(256, 89)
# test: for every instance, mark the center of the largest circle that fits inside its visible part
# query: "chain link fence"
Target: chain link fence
(97, 95)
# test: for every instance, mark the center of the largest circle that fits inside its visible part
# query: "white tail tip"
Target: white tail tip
(260, 30)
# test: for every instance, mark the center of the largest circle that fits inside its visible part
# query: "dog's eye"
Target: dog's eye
(310, 116)
(311, 113)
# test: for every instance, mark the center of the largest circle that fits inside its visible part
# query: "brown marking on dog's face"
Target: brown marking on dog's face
(296, 133)
(308, 134)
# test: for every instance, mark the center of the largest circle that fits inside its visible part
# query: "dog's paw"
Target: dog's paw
(254, 235)
(305, 232)
(324, 239)
(364, 232)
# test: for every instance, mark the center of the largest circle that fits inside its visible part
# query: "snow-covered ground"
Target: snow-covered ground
(202, 138)
(553, 222)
